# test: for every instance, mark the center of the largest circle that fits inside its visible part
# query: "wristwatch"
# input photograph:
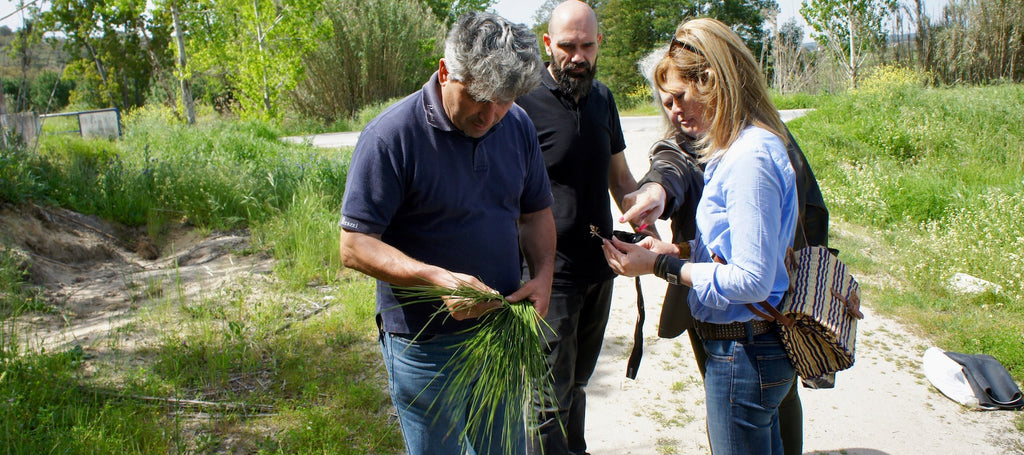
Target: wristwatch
(672, 277)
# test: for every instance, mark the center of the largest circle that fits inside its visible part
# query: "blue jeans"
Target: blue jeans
(745, 382)
(431, 424)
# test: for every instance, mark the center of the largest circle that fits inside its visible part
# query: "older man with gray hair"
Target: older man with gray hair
(446, 188)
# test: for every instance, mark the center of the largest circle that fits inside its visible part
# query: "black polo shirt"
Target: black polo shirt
(577, 140)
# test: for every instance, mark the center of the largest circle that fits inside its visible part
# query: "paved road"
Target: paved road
(641, 125)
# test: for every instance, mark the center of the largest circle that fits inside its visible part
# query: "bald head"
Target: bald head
(573, 15)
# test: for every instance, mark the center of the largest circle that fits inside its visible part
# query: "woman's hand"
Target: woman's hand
(644, 206)
(628, 259)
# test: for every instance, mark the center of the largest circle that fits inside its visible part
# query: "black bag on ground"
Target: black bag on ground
(992, 384)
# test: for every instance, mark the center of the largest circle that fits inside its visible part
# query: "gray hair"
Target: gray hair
(496, 59)
(646, 66)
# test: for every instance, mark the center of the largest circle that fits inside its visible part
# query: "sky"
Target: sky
(8, 14)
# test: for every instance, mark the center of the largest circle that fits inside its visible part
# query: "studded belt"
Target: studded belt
(732, 331)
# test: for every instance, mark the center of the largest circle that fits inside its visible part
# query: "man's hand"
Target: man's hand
(461, 308)
(537, 291)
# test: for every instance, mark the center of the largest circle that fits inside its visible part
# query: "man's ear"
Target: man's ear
(547, 44)
(442, 72)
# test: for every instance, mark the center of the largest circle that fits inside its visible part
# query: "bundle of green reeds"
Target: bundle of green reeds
(498, 368)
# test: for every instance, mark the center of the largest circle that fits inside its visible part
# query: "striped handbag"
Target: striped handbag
(818, 316)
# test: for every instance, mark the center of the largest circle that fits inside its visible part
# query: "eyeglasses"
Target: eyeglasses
(676, 44)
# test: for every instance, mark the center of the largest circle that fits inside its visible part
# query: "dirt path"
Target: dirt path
(882, 405)
(97, 276)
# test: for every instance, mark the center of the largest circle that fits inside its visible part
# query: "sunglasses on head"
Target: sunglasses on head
(676, 44)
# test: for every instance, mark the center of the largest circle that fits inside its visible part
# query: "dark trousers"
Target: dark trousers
(791, 411)
(578, 316)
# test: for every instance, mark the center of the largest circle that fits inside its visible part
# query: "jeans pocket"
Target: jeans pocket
(719, 350)
(777, 376)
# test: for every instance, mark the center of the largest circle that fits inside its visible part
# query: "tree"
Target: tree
(746, 18)
(447, 11)
(114, 37)
(787, 52)
(256, 45)
(632, 28)
(848, 28)
(922, 39)
(542, 15)
(182, 69)
(20, 48)
(49, 92)
(368, 59)
(979, 41)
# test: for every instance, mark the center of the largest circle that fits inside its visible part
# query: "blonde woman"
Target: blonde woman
(745, 221)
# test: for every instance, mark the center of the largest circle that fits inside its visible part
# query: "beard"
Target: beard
(572, 84)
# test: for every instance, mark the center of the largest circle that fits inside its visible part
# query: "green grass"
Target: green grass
(273, 379)
(292, 382)
(300, 126)
(216, 174)
(931, 181)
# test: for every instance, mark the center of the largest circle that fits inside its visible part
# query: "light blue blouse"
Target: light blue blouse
(746, 216)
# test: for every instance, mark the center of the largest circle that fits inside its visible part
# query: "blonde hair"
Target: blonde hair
(726, 79)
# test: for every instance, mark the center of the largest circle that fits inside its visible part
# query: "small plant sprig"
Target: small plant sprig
(499, 367)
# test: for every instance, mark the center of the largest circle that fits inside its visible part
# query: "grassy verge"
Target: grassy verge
(931, 181)
(286, 366)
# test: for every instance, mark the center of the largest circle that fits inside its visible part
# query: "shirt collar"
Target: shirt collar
(547, 79)
(433, 107)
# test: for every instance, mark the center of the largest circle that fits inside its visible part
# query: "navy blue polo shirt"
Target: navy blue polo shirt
(578, 141)
(444, 198)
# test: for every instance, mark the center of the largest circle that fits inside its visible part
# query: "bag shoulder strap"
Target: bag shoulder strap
(771, 313)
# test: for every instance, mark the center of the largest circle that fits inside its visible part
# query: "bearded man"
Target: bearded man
(581, 139)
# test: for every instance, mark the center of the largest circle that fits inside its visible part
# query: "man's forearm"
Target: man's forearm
(620, 180)
(537, 240)
(369, 255)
